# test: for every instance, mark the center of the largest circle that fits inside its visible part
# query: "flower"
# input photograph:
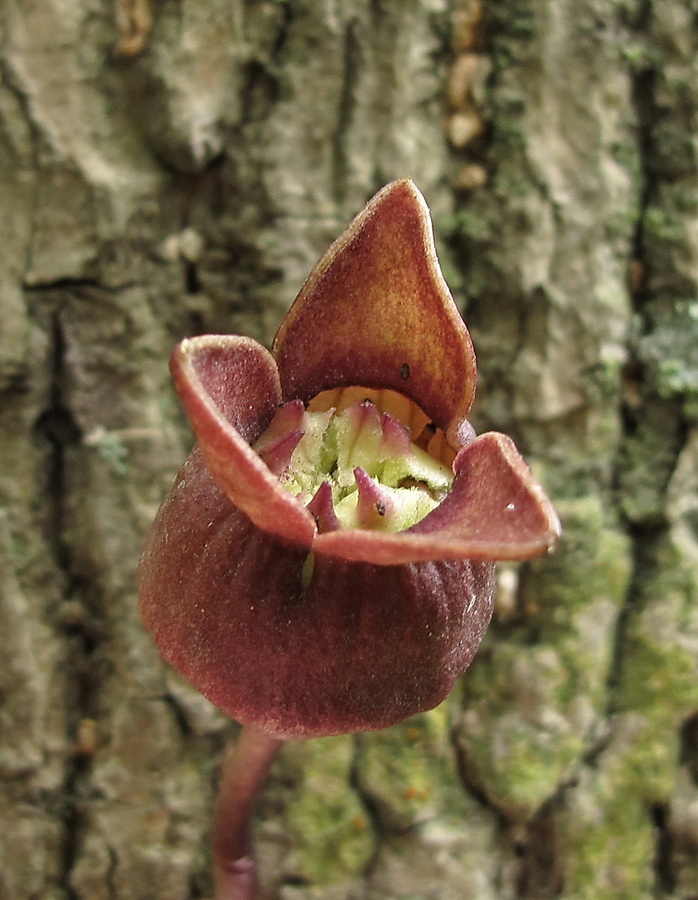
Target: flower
(324, 561)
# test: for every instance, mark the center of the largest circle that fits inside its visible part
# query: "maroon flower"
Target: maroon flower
(324, 561)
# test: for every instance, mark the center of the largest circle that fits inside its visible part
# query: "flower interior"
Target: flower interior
(359, 458)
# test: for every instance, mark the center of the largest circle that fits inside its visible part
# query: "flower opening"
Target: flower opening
(378, 477)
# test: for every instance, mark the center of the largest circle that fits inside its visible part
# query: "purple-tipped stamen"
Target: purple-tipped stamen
(396, 440)
(375, 506)
(321, 509)
(277, 453)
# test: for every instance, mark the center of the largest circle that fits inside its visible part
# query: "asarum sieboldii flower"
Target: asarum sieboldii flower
(325, 560)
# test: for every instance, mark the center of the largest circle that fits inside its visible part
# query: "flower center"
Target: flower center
(354, 467)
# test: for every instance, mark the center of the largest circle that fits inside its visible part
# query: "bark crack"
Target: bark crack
(81, 633)
(369, 807)
(345, 113)
(655, 430)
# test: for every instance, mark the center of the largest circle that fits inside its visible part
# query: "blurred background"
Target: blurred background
(174, 167)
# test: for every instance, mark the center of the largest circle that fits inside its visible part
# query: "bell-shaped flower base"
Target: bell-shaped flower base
(300, 644)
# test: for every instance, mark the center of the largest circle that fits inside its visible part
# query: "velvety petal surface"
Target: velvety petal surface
(495, 510)
(296, 646)
(377, 312)
(229, 387)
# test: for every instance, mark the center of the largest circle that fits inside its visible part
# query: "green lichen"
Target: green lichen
(606, 830)
(466, 223)
(332, 836)
(670, 350)
(509, 132)
(20, 552)
(112, 449)
(648, 459)
(659, 224)
(627, 155)
(659, 670)
(608, 844)
(532, 699)
(639, 55)
(409, 771)
(509, 23)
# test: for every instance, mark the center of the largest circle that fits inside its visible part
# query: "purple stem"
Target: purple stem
(244, 772)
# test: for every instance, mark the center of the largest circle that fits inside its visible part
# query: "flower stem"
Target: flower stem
(245, 769)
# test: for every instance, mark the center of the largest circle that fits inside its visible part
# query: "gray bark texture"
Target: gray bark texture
(172, 167)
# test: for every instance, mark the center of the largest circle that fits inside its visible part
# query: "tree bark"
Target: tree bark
(171, 167)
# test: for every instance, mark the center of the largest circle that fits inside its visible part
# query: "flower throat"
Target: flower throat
(354, 466)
